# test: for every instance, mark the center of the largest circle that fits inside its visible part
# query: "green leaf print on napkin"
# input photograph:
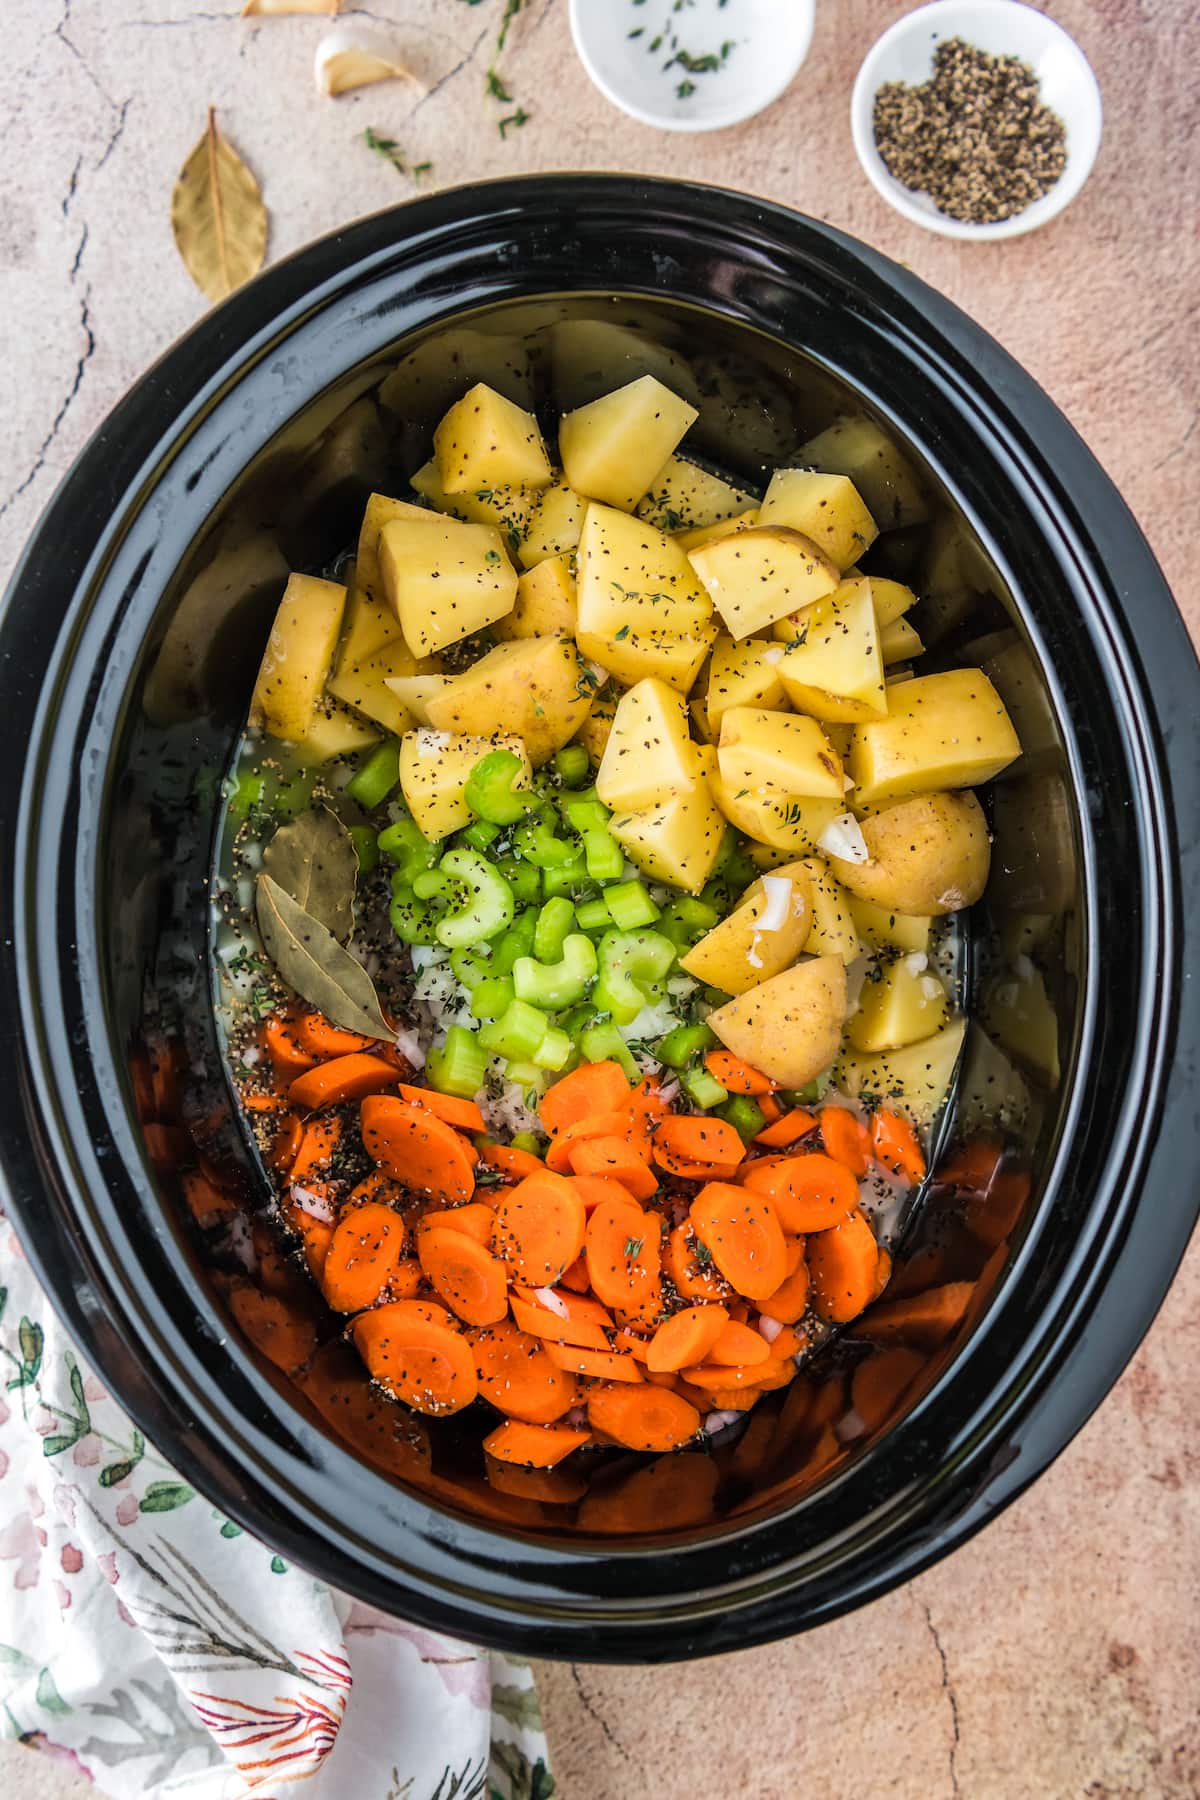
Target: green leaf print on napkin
(165, 1496)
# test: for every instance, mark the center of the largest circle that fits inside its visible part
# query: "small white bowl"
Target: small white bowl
(1002, 27)
(769, 40)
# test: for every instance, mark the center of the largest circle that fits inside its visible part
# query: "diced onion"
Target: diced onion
(315, 1205)
(717, 1421)
(552, 1302)
(769, 1327)
(843, 837)
(916, 962)
(778, 890)
(773, 654)
(409, 1046)
(251, 1055)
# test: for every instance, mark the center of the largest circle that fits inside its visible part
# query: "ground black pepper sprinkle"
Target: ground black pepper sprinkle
(976, 137)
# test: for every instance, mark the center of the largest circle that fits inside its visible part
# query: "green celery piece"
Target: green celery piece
(744, 1115)
(631, 905)
(571, 764)
(485, 905)
(491, 791)
(366, 848)
(414, 921)
(679, 1046)
(593, 915)
(604, 1043)
(703, 1088)
(517, 941)
(405, 844)
(632, 964)
(605, 857)
(524, 880)
(457, 1066)
(554, 922)
(517, 1033)
(377, 777)
(492, 997)
(554, 986)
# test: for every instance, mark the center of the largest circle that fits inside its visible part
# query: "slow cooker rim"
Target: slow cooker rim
(355, 271)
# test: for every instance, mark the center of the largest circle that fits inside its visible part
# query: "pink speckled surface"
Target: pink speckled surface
(1058, 1654)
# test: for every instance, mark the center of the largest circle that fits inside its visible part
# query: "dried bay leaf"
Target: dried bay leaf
(218, 216)
(310, 960)
(313, 859)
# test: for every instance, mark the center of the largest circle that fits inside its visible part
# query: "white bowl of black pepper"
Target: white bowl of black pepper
(977, 120)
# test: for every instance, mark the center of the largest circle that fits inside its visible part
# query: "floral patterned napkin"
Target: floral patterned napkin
(156, 1648)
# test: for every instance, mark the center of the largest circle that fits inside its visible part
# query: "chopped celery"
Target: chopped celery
(744, 1115)
(558, 984)
(525, 1140)
(517, 941)
(456, 1067)
(470, 966)
(554, 1051)
(571, 764)
(366, 848)
(481, 904)
(491, 790)
(604, 1043)
(479, 835)
(703, 1088)
(686, 920)
(630, 905)
(492, 997)
(553, 923)
(583, 812)
(593, 915)
(377, 776)
(575, 1022)
(524, 880)
(245, 790)
(605, 857)
(632, 964)
(536, 843)
(570, 877)
(413, 920)
(678, 1048)
(405, 844)
(517, 1033)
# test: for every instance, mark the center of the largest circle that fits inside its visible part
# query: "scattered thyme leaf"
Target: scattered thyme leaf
(496, 88)
(516, 119)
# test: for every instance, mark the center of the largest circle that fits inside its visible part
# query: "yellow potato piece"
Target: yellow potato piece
(677, 841)
(508, 509)
(745, 674)
(364, 685)
(546, 601)
(759, 576)
(296, 661)
(790, 1026)
(898, 642)
(596, 729)
(742, 950)
(531, 688)
(435, 767)
(613, 448)
(914, 1080)
(827, 508)
(941, 731)
(554, 525)
(486, 441)
(641, 610)
(833, 931)
(881, 927)
(891, 600)
(711, 534)
(416, 691)
(649, 754)
(831, 665)
(335, 731)
(444, 579)
(370, 622)
(784, 821)
(683, 497)
(763, 749)
(928, 855)
(900, 1005)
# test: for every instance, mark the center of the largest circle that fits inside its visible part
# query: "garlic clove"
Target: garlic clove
(356, 56)
(275, 8)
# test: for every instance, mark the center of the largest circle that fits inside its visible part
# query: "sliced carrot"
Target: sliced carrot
(738, 1076)
(923, 1319)
(665, 1495)
(623, 1251)
(735, 1376)
(883, 1271)
(315, 1238)
(538, 1228)
(689, 1267)
(508, 1160)
(344, 1078)
(789, 1302)
(739, 1345)
(317, 1037)
(592, 1088)
(686, 1337)
(896, 1147)
(576, 1277)
(574, 1319)
(681, 1143)
(846, 1139)
(647, 1109)
(789, 1342)
(207, 1203)
(643, 1418)
(808, 1193)
(617, 1160)
(770, 1108)
(469, 1278)
(287, 1055)
(878, 1385)
(414, 1355)
(593, 1190)
(262, 1103)
(464, 1115)
(616, 1124)
(416, 1149)
(743, 1236)
(776, 1372)
(276, 1327)
(646, 1313)
(602, 1365)
(533, 1446)
(632, 1341)
(517, 1374)
(795, 1252)
(407, 1279)
(552, 1487)
(367, 1245)
(991, 1215)
(474, 1220)
(318, 1145)
(841, 1264)
(787, 1130)
(729, 1399)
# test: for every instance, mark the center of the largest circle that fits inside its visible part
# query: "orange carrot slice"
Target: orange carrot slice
(517, 1374)
(923, 1319)
(623, 1251)
(538, 1228)
(573, 1318)
(474, 1220)
(808, 1193)
(739, 1345)
(841, 1265)
(469, 1278)
(592, 1088)
(617, 1160)
(317, 1037)
(688, 1265)
(608, 1124)
(576, 1277)
(287, 1055)
(510, 1161)
(419, 1359)
(632, 1341)
(738, 1076)
(603, 1365)
(533, 1446)
(417, 1149)
(846, 1139)
(686, 1337)
(344, 1078)
(896, 1147)
(743, 1237)
(789, 1129)
(789, 1302)
(367, 1245)
(464, 1115)
(680, 1144)
(643, 1418)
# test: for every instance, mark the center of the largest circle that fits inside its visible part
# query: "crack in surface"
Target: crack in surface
(89, 350)
(196, 18)
(589, 1708)
(448, 77)
(72, 187)
(948, 1690)
(117, 134)
(60, 32)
